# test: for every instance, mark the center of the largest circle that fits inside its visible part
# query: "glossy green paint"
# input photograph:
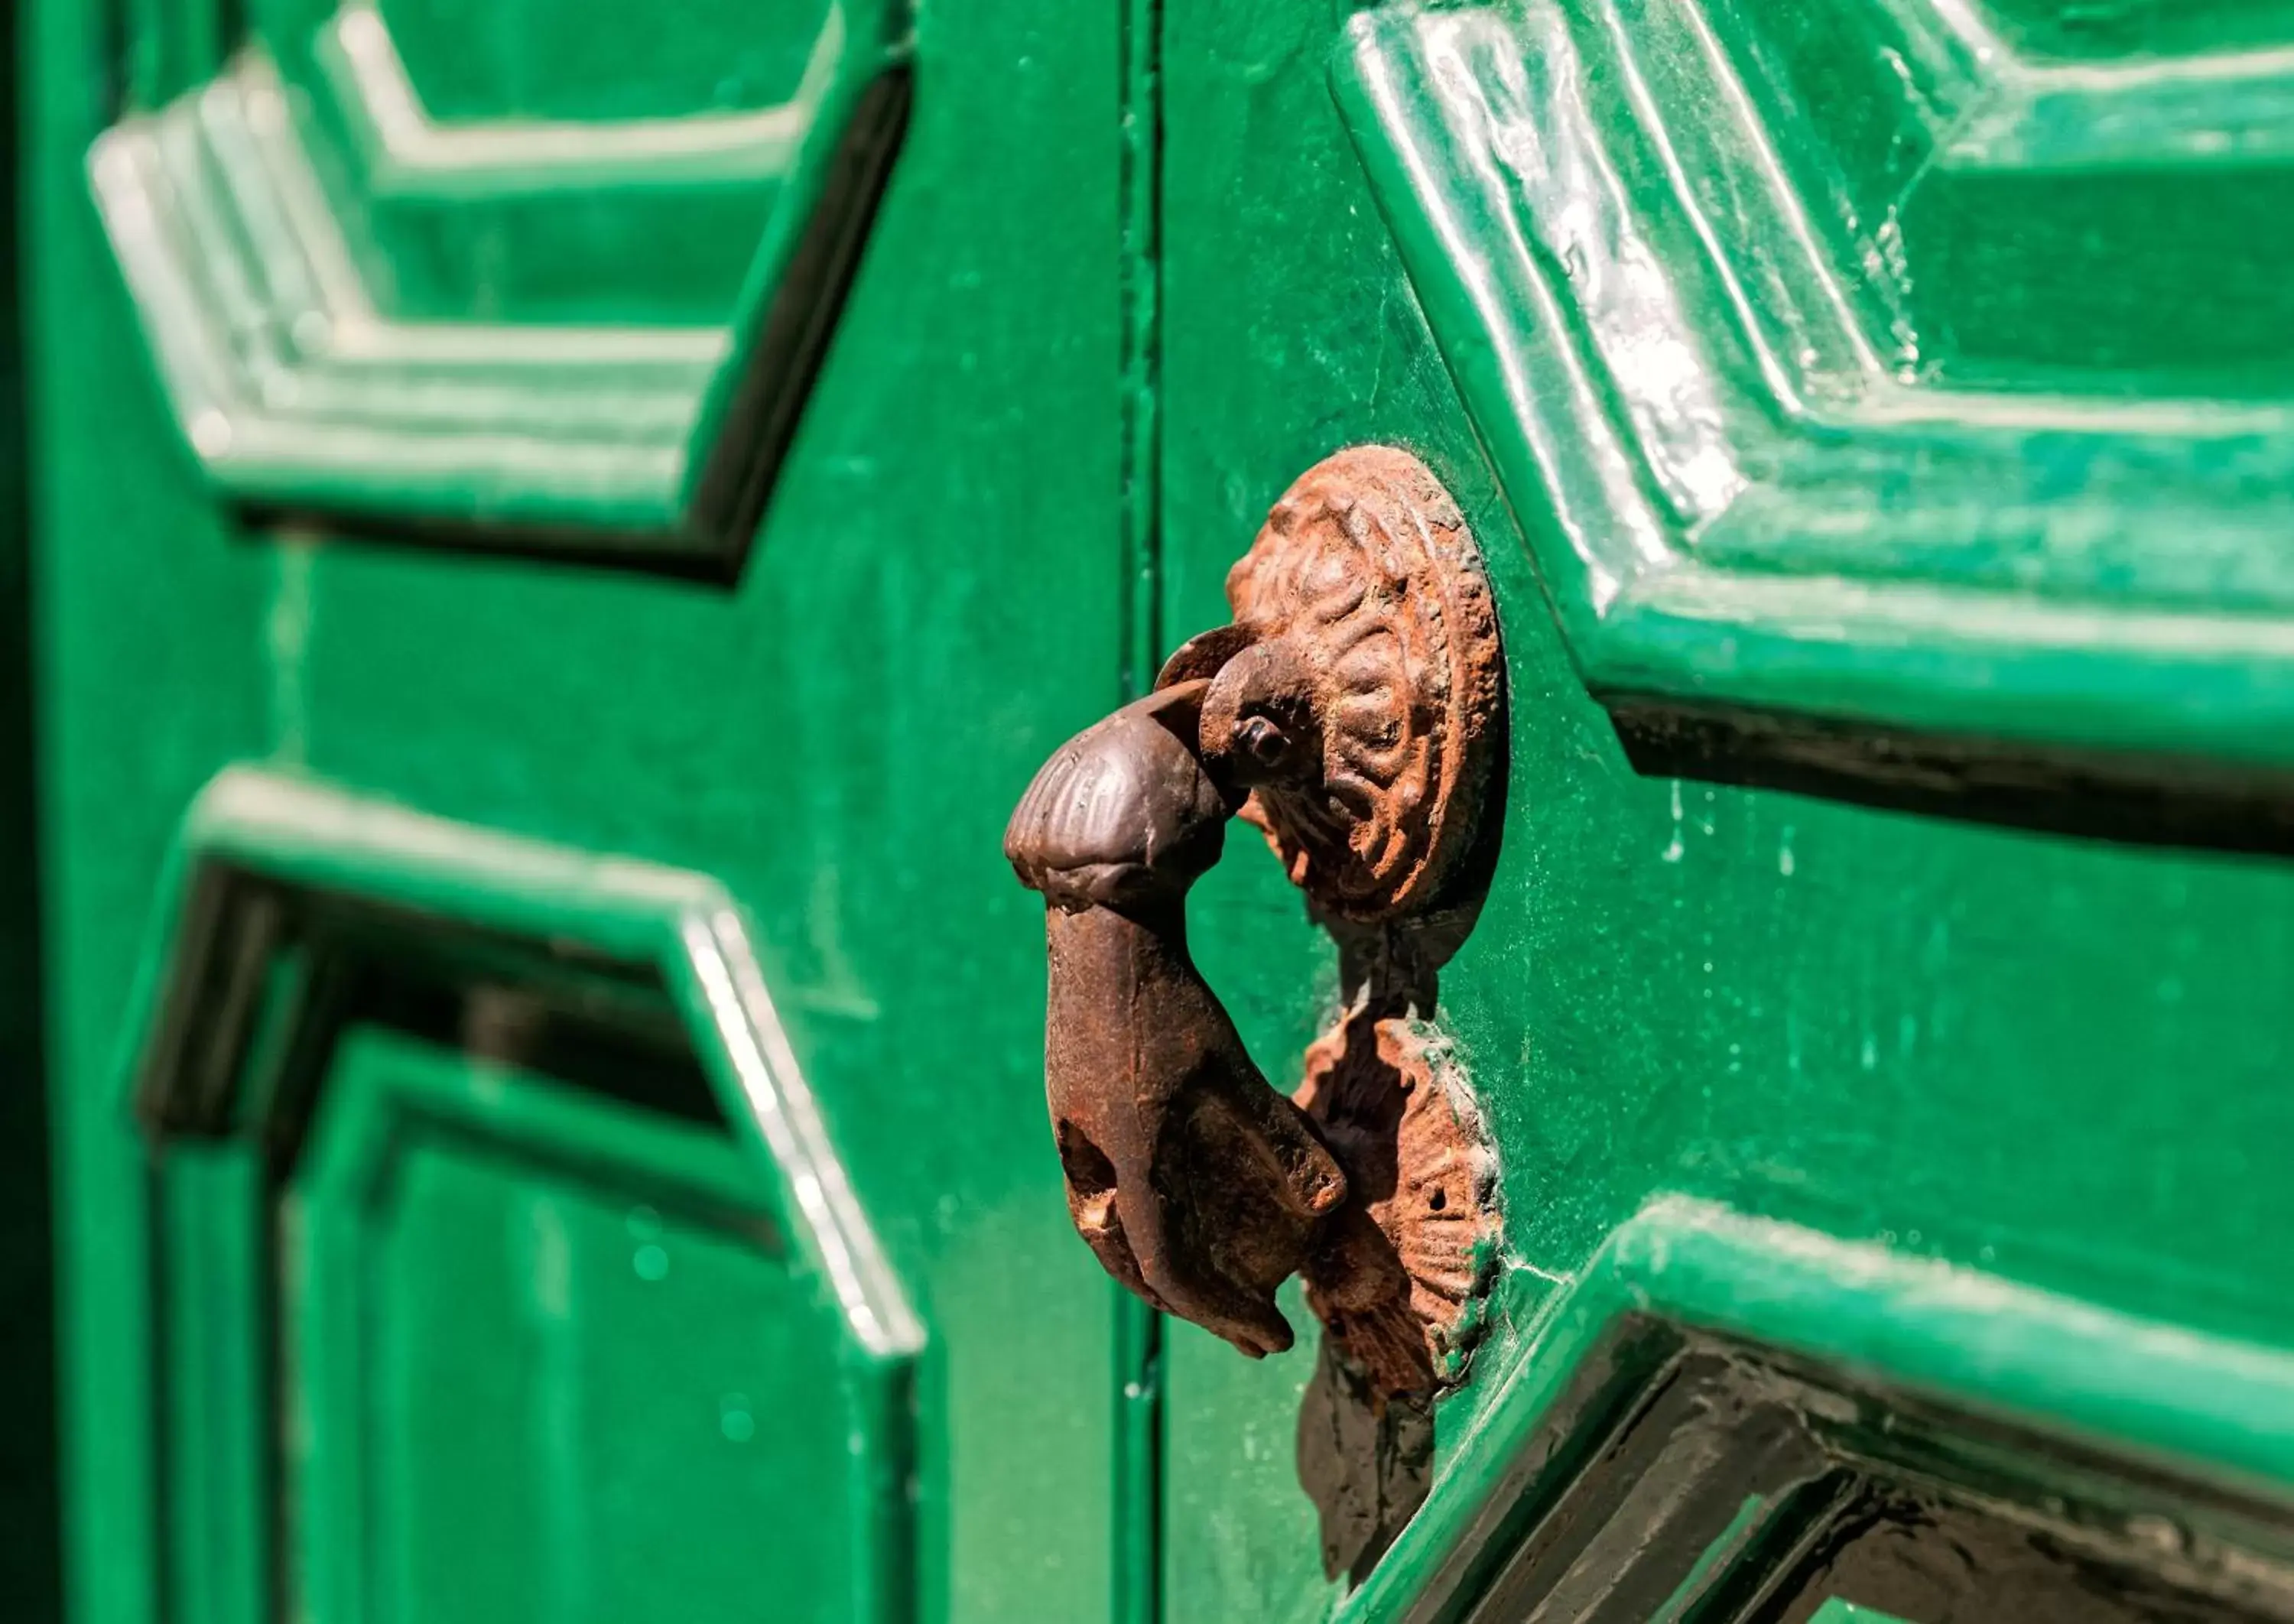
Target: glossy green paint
(935, 600)
(1997, 1116)
(2147, 1390)
(2058, 1063)
(1837, 1612)
(588, 315)
(512, 1377)
(681, 924)
(1864, 362)
(644, 1342)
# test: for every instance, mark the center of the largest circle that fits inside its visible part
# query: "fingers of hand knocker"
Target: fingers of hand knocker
(1241, 1187)
(1195, 1182)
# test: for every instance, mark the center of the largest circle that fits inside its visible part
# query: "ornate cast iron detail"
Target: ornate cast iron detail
(1366, 567)
(1353, 711)
(1401, 1281)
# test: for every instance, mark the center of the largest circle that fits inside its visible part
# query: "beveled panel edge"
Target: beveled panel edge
(1706, 523)
(652, 448)
(306, 835)
(2156, 1395)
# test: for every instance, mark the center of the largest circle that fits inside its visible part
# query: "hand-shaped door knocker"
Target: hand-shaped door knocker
(1353, 711)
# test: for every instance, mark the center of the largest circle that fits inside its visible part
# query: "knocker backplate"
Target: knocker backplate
(1365, 569)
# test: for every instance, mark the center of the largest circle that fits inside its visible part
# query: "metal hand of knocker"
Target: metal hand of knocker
(1350, 711)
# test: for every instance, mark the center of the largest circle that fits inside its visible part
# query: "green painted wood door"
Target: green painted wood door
(561, 529)
(1874, 418)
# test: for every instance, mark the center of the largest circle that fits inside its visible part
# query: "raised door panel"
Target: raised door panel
(561, 279)
(1819, 1072)
(552, 1362)
(1932, 386)
(500, 1256)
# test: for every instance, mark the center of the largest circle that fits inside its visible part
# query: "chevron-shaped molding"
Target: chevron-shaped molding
(2053, 1415)
(406, 149)
(274, 875)
(299, 392)
(1682, 321)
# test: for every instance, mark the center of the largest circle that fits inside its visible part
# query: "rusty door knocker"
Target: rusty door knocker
(1353, 711)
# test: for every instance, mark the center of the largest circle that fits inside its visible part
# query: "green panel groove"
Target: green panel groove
(1138, 1487)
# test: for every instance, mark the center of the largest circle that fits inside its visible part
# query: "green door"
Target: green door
(1874, 416)
(562, 530)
